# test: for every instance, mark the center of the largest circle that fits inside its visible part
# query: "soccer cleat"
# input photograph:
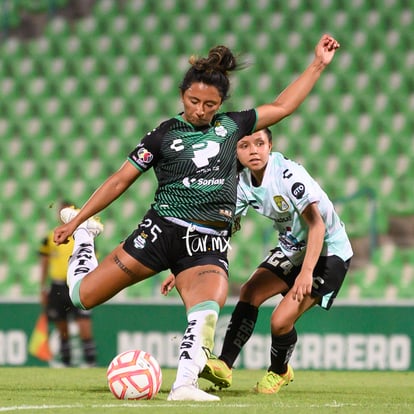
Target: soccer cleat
(92, 225)
(272, 382)
(190, 393)
(217, 372)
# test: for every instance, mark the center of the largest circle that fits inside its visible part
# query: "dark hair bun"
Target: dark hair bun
(220, 59)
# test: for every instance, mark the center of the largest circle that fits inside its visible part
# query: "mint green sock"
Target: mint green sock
(197, 342)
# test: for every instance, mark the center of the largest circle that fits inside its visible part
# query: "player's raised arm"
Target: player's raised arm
(290, 99)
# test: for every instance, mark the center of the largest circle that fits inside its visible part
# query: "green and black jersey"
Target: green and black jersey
(195, 167)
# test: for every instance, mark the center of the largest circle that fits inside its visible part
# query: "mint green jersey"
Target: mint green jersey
(286, 190)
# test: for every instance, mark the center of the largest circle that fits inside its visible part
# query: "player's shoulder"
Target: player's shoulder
(278, 161)
(163, 127)
(243, 117)
(281, 161)
(244, 177)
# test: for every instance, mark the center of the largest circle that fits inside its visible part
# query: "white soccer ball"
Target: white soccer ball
(134, 375)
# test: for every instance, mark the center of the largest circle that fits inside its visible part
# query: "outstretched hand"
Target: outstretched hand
(325, 49)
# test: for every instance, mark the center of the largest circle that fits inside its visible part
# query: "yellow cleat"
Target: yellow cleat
(217, 372)
(272, 382)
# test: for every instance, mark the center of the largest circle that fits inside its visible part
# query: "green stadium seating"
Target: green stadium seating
(77, 99)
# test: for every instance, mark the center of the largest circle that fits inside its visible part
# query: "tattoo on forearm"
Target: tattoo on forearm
(129, 272)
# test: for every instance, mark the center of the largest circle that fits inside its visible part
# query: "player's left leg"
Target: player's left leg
(328, 276)
(284, 338)
(203, 290)
(262, 285)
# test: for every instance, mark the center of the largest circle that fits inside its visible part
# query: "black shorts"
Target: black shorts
(60, 307)
(160, 244)
(328, 275)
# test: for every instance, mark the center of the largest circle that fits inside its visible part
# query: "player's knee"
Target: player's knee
(245, 292)
(250, 295)
(75, 296)
(279, 325)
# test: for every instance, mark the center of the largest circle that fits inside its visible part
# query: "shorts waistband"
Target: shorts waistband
(198, 227)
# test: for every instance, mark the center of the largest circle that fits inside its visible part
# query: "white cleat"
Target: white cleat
(92, 225)
(190, 393)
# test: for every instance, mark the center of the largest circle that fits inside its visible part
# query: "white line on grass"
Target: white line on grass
(142, 404)
(134, 405)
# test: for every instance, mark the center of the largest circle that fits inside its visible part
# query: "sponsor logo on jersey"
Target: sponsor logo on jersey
(281, 203)
(145, 156)
(210, 181)
(202, 181)
(289, 242)
(283, 219)
(287, 174)
(298, 190)
(187, 182)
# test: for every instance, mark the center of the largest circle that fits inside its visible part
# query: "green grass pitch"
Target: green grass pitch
(76, 390)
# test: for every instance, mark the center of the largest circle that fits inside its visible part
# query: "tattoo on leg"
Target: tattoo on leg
(129, 272)
(218, 272)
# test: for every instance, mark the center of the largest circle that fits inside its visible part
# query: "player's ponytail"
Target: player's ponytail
(212, 70)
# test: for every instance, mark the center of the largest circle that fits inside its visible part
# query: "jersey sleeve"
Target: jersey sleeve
(146, 154)
(246, 120)
(299, 186)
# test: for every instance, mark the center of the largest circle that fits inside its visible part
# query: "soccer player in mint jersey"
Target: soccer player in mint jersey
(188, 225)
(307, 266)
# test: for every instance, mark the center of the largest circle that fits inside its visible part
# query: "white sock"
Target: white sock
(198, 337)
(82, 262)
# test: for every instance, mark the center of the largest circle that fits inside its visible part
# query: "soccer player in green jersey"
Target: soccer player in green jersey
(188, 226)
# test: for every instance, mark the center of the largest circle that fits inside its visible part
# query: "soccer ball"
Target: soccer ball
(134, 375)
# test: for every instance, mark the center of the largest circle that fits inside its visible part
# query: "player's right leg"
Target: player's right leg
(262, 285)
(217, 372)
(91, 284)
(272, 382)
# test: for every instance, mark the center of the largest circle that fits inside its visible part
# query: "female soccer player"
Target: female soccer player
(307, 266)
(188, 226)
